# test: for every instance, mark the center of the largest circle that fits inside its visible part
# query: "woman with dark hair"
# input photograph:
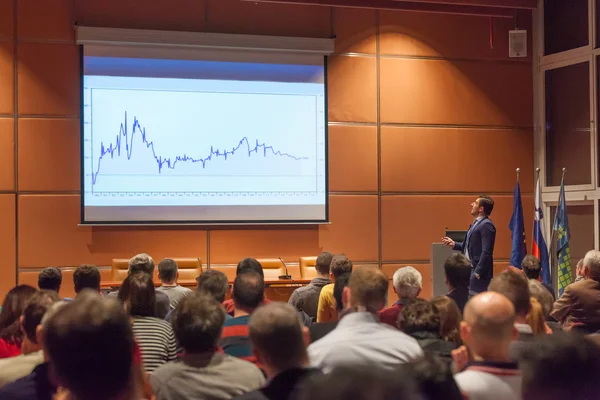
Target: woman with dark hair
(10, 325)
(154, 336)
(450, 319)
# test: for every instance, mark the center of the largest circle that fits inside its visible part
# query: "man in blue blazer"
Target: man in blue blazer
(478, 246)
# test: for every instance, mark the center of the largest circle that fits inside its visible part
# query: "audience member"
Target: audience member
(213, 283)
(579, 306)
(487, 331)
(457, 270)
(421, 320)
(143, 263)
(203, 372)
(579, 271)
(320, 329)
(433, 378)
(359, 338)
(247, 264)
(86, 276)
(168, 274)
(539, 292)
(14, 368)
(50, 278)
(515, 287)
(408, 283)
(327, 308)
(450, 317)
(12, 308)
(561, 366)
(306, 298)
(154, 336)
(535, 318)
(532, 268)
(279, 344)
(248, 293)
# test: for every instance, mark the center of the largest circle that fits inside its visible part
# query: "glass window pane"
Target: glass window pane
(568, 125)
(565, 25)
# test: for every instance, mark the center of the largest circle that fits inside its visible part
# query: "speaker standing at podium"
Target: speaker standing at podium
(478, 246)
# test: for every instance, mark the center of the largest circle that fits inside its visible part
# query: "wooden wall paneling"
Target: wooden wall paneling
(45, 20)
(7, 243)
(7, 13)
(355, 30)
(352, 89)
(7, 154)
(7, 77)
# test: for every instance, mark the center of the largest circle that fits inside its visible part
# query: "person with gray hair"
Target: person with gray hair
(168, 275)
(408, 283)
(579, 306)
(579, 270)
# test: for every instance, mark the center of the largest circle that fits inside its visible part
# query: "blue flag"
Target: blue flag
(517, 226)
(561, 226)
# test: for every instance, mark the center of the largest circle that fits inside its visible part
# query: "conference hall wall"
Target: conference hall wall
(423, 117)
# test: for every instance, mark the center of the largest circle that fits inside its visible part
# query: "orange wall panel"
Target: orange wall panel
(7, 12)
(49, 79)
(355, 30)
(455, 160)
(7, 243)
(48, 154)
(457, 93)
(7, 78)
(7, 154)
(42, 19)
(352, 158)
(353, 228)
(352, 89)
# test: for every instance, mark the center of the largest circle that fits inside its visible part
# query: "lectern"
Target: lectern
(439, 253)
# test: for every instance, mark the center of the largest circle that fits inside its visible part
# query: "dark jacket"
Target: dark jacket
(433, 343)
(284, 386)
(460, 296)
(479, 242)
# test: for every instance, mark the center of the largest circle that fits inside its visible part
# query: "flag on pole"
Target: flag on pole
(517, 226)
(538, 246)
(561, 226)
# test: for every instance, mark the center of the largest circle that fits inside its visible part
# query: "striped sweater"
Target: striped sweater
(156, 340)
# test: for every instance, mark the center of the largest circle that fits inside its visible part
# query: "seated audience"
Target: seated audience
(143, 263)
(154, 336)
(247, 264)
(203, 372)
(408, 283)
(326, 308)
(306, 298)
(10, 329)
(457, 270)
(279, 344)
(515, 287)
(561, 366)
(421, 320)
(50, 278)
(214, 283)
(320, 329)
(433, 378)
(535, 318)
(532, 268)
(359, 338)
(450, 317)
(579, 306)
(579, 271)
(14, 368)
(540, 293)
(86, 276)
(248, 294)
(487, 331)
(168, 275)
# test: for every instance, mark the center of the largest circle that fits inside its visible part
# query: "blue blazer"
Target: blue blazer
(481, 239)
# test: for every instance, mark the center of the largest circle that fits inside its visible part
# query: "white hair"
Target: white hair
(407, 282)
(592, 261)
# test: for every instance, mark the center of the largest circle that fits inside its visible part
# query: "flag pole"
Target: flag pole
(518, 173)
(562, 181)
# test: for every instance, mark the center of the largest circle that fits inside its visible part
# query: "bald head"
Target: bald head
(490, 317)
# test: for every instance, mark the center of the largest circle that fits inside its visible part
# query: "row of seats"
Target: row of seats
(190, 268)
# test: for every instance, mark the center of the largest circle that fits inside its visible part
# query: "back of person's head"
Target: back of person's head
(408, 282)
(50, 278)
(214, 283)
(487, 203)
(368, 289)
(531, 266)
(250, 264)
(90, 345)
(86, 276)
(450, 317)
(167, 270)
(35, 310)
(541, 294)
(579, 267)
(141, 263)
(198, 321)
(433, 378)
(458, 270)
(560, 366)
(341, 282)
(323, 263)
(514, 286)
(138, 295)
(12, 308)
(591, 265)
(248, 290)
(535, 318)
(277, 337)
(340, 264)
(419, 316)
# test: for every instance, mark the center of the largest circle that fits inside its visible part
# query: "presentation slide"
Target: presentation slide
(186, 141)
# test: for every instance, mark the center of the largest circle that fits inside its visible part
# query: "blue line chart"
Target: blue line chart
(124, 136)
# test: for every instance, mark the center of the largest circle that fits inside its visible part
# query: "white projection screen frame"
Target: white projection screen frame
(202, 128)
